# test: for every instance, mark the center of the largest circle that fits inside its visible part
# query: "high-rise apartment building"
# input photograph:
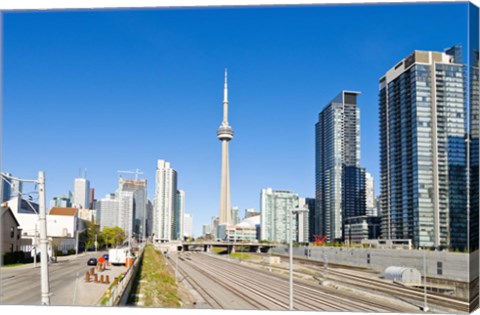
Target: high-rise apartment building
(81, 193)
(370, 200)
(164, 203)
(423, 155)
(474, 156)
(188, 225)
(178, 220)
(339, 180)
(275, 212)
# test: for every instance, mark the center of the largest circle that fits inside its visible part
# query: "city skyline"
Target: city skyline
(270, 108)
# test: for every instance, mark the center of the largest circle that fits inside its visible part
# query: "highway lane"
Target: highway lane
(21, 285)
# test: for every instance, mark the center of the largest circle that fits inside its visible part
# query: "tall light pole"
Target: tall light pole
(425, 305)
(291, 214)
(42, 220)
(43, 240)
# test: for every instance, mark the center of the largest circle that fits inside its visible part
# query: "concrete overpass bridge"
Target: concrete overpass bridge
(231, 247)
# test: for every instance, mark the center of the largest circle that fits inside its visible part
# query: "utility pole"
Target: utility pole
(291, 214)
(42, 221)
(43, 240)
(35, 246)
(425, 305)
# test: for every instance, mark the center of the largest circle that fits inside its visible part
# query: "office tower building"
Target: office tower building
(339, 180)
(149, 221)
(139, 208)
(206, 230)
(61, 201)
(371, 203)
(423, 150)
(225, 134)
(164, 203)
(275, 211)
(178, 220)
(81, 192)
(188, 225)
(310, 205)
(126, 212)
(92, 198)
(108, 211)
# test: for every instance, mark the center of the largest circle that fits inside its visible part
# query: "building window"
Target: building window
(12, 232)
(439, 268)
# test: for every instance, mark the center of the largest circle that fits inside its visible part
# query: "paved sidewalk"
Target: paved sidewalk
(90, 293)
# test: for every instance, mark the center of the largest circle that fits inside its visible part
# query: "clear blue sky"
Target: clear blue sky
(119, 89)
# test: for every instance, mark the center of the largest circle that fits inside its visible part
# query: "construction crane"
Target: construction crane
(136, 172)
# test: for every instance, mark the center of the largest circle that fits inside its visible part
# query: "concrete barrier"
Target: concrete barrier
(120, 290)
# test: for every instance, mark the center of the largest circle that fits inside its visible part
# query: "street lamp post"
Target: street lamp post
(291, 214)
(42, 220)
(425, 305)
(43, 240)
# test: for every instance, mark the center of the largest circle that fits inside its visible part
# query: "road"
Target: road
(21, 285)
(233, 285)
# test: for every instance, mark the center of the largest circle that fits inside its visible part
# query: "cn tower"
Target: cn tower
(225, 134)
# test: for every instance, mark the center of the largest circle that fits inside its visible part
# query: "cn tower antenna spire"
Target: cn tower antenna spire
(225, 134)
(225, 99)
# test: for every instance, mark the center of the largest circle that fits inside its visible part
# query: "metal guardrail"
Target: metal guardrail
(116, 294)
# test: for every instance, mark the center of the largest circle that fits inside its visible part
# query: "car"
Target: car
(105, 256)
(92, 262)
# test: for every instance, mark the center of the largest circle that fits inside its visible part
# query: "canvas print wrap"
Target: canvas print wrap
(320, 158)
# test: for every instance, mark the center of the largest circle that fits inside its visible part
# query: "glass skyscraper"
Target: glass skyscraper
(339, 180)
(275, 209)
(164, 203)
(474, 124)
(178, 218)
(139, 212)
(423, 152)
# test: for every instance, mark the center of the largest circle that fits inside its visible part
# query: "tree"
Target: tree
(90, 233)
(113, 236)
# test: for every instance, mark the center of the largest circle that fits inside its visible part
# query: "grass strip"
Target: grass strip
(154, 285)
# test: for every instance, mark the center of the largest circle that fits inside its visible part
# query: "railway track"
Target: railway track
(390, 289)
(270, 291)
(206, 296)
